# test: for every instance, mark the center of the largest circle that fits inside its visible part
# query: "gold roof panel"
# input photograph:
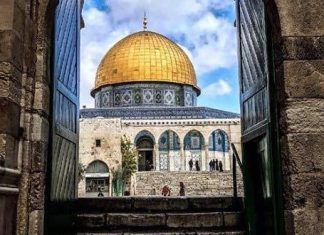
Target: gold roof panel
(145, 57)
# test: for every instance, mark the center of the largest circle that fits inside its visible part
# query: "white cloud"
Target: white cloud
(208, 40)
(219, 88)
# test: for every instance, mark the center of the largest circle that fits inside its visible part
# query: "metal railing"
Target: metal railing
(236, 159)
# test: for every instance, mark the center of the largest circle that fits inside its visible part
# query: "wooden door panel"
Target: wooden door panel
(65, 131)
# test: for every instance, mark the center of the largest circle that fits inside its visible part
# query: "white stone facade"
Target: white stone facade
(110, 130)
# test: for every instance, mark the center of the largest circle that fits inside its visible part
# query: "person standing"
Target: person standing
(216, 165)
(211, 165)
(190, 164)
(197, 166)
(182, 189)
(220, 166)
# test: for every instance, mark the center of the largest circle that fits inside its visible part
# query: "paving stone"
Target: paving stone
(160, 203)
(194, 220)
(136, 220)
(90, 220)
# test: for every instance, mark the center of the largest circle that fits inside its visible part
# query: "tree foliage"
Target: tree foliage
(129, 158)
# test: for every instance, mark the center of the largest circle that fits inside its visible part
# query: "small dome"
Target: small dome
(145, 57)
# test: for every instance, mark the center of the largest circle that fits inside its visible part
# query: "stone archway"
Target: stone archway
(144, 142)
(169, 151)
(193, 149)
(218, 149)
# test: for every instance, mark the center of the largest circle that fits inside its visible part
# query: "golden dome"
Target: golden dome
(145, 57)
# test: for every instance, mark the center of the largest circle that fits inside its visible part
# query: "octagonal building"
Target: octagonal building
(146, 89)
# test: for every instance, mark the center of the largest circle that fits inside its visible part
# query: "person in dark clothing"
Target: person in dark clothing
(190, 164)
(197, 166)
(220, 166)
(182, 189)
(166, 191)
(216, 165)
(211, 165)
(100, 194)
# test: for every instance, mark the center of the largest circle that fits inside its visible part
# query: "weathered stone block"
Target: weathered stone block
(6, 14)
(9, 118)
(39, 156)
(304, 221)
(303, 153)
(194, 220)
(36, 192)
(9, 149)
(301, 18)
(232, 219)
(90, 220)
(104, 204)
(136, 220)
(304, 191)
(41, 102)
(303, 48)
(40, 130)
(304, 79)
(36, 222)
(152, 203)
(11, 48)
(306, 116)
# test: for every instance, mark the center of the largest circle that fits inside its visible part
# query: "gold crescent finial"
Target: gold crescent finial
(145, 21)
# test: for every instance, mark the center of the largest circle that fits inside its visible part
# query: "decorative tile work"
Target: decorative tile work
(169, 98)
(177, 160)
(218, 141)
(188, 99)
(105, 99)
(126, 97)
(164, 161)
(145, 113)
(144, 94)
(148, 96)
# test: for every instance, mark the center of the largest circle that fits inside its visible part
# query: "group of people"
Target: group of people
(196, 165)
(215, 165)
(166, 191)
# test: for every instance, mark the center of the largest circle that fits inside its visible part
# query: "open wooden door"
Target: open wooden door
(258, 119)
(63, 164)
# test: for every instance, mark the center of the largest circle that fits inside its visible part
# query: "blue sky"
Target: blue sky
(203, 28)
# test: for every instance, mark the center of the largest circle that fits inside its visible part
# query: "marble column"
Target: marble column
(156, 157)
(182, 158)
(206, 158)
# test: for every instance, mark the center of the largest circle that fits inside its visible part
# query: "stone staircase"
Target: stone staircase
(160, 215)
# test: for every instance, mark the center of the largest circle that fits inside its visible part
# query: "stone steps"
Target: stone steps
(170, 233)
(160, 215)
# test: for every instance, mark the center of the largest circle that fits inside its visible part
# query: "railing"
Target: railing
(238, 160)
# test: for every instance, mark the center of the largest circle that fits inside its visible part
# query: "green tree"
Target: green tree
(129, 158)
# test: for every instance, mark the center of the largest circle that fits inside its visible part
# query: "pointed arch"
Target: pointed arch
(218, 141)
(194, 140)
(169, 140)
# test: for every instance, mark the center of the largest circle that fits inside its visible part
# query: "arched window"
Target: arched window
(144, 142)
(169, 154)
(218, 141)
(194, 140)
(97, 178)
(169, 140)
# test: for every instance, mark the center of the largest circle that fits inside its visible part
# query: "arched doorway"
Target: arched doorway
(218, 148)
(193, 146)
(144, 142)
(169, 151)
(97, 179)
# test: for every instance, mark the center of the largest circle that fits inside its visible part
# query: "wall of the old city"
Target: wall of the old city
(196, 183)
(24, 108)
(109, 132)
(299, 48)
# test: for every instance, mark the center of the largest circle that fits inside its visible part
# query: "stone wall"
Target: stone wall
(299, 59)
(196, 183)
(110, 130)
(24, 108)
